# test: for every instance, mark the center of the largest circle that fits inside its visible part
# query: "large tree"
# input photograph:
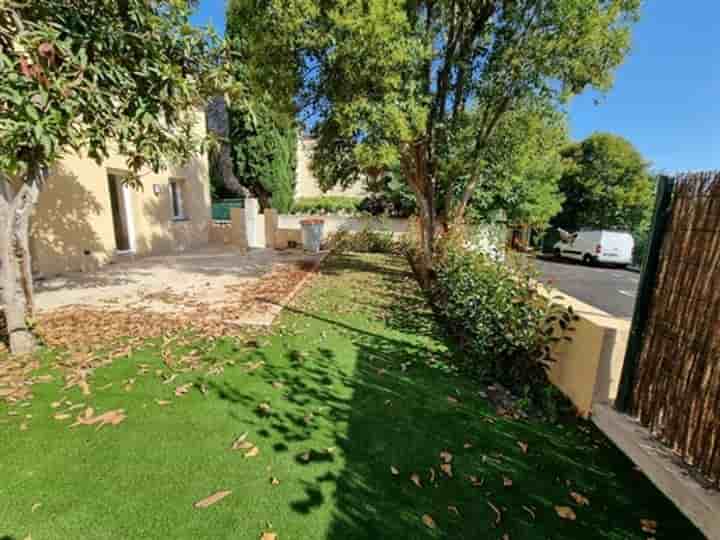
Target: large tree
(90, 77)
(606, 184)
(390, 81)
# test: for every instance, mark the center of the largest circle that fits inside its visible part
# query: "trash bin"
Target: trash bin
(312, 234)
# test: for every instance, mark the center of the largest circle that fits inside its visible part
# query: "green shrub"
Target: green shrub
(365, 241)
(327, 205)
(502, 324)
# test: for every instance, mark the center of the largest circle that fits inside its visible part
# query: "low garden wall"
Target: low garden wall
(220, 232)
(588, 367)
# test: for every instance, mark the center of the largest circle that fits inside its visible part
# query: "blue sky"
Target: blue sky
(666, 98)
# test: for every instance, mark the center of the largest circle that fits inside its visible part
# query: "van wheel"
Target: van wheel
(588, 259)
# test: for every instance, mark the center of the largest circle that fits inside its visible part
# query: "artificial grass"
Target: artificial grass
(366, 387)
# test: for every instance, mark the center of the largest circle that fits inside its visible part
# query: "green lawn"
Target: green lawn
(357, 384)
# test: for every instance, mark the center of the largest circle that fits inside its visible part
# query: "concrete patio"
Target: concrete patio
(207, 278)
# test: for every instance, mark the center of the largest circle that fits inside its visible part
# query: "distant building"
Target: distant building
(307, 184)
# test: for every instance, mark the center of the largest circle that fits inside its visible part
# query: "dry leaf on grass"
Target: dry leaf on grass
(35, 507)
(212, 499)
(163, 402)
(274, 481)
(183, 389)
(649, 526)
(394, 470)
(264, 408)
(429, 521)
(498, 514)
(446, 456)
(415, 479)
(447, 469)
(467, 445)
(566, 512)
(580, 499)
(476, 482)
(269, 536)
(55, 404)
(523, 446)
(61, 416)
(88, 418)
(253, 452)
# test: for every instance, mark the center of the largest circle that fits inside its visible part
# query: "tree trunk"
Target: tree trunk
(414, 163)
(15, 265)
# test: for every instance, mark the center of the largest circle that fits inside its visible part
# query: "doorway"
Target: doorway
(121, 205)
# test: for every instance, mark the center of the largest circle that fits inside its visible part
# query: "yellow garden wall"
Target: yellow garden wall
(588, 368)
(72, 228)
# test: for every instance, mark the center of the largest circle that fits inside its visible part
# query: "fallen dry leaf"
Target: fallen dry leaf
(566, 512)
(446, 456)
(35, 507)
(507, 482)
(274, 481)
(212, 499)
(394, 470)
(523, 446)
(447, 469)
(163, 402)
(467, 445)
(649, 526)
(23, 426)
(269, 536)
(580, 499)
(498, 514)
(415, 479)
(264, 408)
(253, 452)
(183, 389)
(88, 418)
(61, 416)
(55, 404)
(476, 482)
(429, 521)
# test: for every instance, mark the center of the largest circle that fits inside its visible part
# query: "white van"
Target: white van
(596, 246)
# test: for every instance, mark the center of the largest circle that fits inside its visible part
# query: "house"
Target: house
(307, 184)
(87, 215)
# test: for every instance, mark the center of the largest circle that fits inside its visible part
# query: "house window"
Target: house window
(176, 199)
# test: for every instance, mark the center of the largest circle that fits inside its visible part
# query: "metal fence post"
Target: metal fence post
(646, 287)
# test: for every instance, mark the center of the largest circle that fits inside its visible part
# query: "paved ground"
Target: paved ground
(207, 278)
(611, 289)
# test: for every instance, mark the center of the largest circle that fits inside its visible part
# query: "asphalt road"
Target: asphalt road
(611, 289)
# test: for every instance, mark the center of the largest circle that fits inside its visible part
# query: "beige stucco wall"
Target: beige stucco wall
(588, 368)
(72, 227)
(307, 185)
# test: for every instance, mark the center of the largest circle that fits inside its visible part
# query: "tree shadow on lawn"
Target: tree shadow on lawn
(386, 400)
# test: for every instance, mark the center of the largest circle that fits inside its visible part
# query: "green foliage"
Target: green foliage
(327, 204)
(397, 83)
(607, 184)
(389, 196)
(263, 149)
(495, 313)
(365, 241)
(103, 76)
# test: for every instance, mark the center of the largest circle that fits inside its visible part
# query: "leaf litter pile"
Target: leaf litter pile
(90, 326)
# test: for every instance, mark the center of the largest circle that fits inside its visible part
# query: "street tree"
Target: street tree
(389, 81)
(606, 183)
(91, 77)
